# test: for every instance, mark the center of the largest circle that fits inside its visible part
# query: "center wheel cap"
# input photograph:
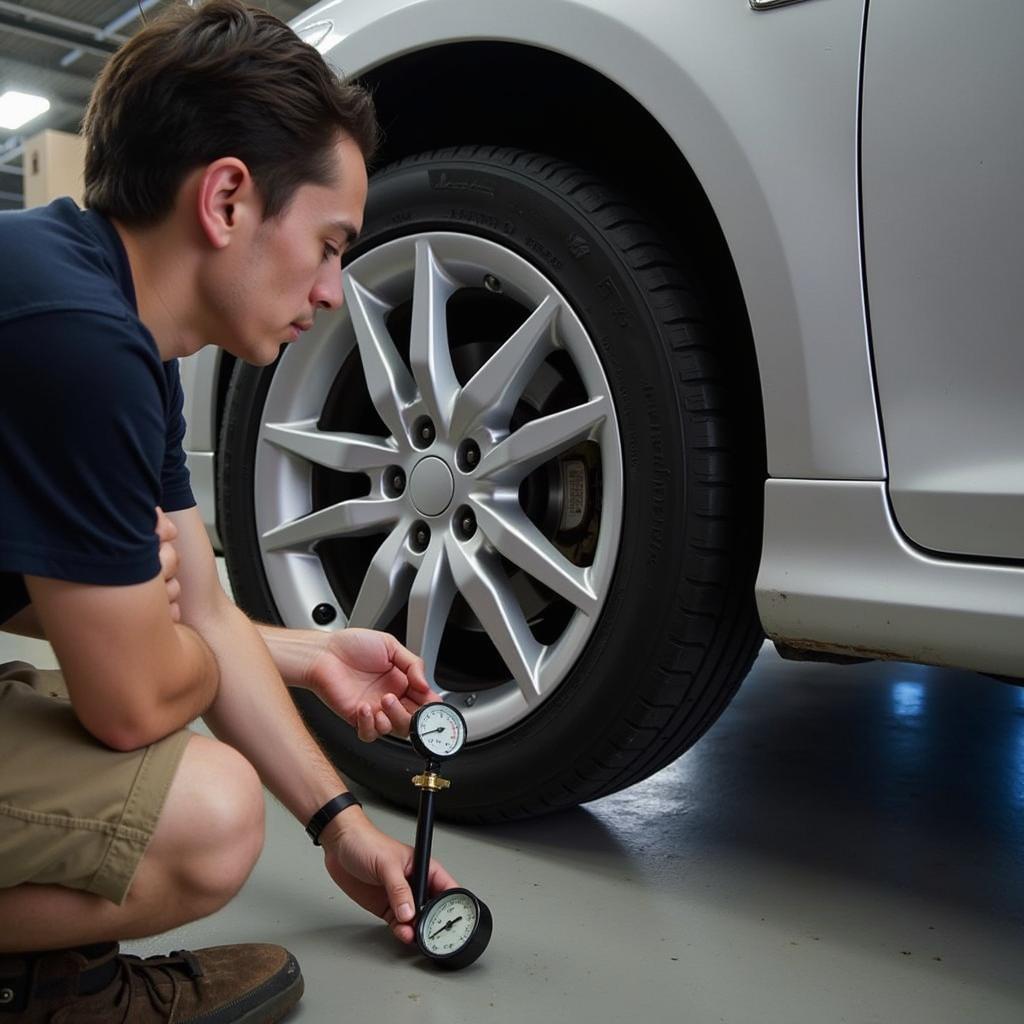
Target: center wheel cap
(431, 486)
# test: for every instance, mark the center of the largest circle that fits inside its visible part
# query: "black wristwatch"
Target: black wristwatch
(327, 814)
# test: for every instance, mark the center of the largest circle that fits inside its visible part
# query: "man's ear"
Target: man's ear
(227, 198)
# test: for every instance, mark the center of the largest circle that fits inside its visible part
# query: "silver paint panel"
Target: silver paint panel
(838, 575)
(944, 243)
(199, 382)
(202, 471)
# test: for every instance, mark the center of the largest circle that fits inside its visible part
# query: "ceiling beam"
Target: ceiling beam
(54, 36)
(81, 27)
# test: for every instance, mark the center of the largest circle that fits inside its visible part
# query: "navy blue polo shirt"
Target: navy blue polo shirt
(90, 418)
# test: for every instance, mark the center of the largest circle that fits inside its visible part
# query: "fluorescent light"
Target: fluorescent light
(18, 108)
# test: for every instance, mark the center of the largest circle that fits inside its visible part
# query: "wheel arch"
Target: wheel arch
(671, 196)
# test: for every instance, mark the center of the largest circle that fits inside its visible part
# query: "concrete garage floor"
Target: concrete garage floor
(845, 845)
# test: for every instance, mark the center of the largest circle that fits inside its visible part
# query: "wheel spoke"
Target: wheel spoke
(506, 526)
(485, 587)
(348, 518)
(429, 354)
(348, 453)
(430, 601)
(541, 439)
(386, 584)
(491, 394)
(388, 381)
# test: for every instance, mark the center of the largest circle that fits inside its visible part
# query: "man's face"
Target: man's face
(269, 290)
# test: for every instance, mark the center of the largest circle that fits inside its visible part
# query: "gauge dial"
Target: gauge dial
(454, 928)
(438, 730)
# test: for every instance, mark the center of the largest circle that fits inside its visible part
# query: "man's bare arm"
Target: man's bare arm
(133, 675)
(253, 712)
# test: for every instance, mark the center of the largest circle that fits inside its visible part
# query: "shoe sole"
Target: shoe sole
(277, 1007)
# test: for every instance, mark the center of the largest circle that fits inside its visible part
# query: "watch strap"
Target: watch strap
(327, 814)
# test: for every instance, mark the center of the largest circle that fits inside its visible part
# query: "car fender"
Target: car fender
(763, 106)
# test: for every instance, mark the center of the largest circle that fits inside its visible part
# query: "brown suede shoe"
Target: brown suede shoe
(245, 984)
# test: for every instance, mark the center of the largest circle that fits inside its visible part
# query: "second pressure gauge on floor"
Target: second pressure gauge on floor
(438, 731)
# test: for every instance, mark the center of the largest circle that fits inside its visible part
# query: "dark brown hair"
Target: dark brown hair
(224, 79)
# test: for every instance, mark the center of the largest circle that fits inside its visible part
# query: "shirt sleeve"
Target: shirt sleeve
(175, 482)
(83, 429)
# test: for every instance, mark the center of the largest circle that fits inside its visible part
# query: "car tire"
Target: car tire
(678, 628)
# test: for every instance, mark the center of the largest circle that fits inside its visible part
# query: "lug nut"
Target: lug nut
(492, 284)
(394, 481)
(466, 523)
(469, 455)
(420, 537)
(423, 432)
(324, 614)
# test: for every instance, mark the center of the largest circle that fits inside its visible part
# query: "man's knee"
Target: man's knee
(210, 831)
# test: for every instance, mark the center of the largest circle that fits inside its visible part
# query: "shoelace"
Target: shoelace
(138, 976)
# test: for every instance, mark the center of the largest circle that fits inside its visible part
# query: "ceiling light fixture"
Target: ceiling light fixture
(18, 108)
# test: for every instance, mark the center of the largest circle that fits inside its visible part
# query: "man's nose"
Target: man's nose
(327, 292)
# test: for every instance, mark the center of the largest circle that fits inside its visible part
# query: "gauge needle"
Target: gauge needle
(445, 927)
(430, 732)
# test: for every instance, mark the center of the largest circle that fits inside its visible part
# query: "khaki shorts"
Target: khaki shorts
(73, 812)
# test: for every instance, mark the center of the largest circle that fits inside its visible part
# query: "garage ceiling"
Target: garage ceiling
(56, 48)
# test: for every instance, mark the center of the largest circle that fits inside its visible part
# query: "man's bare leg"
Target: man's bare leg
(208, 838)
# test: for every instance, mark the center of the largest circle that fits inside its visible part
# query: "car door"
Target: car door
(943, 211)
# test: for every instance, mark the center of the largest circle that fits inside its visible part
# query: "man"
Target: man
(225, 176)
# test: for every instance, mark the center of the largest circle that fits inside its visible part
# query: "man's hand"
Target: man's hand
(368, 678)
(167, 532)
(371, 868)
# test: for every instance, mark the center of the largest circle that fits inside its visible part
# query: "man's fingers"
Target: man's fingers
(364, 724)
(169, 560)
(165, 528)
(399, 895)
(412, 665)
(397, 714)
(403, 932)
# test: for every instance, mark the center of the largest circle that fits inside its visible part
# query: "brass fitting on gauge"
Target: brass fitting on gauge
(430, 780)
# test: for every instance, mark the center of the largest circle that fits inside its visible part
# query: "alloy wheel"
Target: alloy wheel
(442, 458)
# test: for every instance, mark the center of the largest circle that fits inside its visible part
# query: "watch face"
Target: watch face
(439, 729)
(448, 923)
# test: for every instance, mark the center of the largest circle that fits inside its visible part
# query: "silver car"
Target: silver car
(672, 325)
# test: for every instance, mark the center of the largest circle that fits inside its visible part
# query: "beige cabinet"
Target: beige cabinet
(52, 164)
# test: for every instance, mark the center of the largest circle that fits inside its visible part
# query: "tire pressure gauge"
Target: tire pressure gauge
(438, 731)
(454, 927)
